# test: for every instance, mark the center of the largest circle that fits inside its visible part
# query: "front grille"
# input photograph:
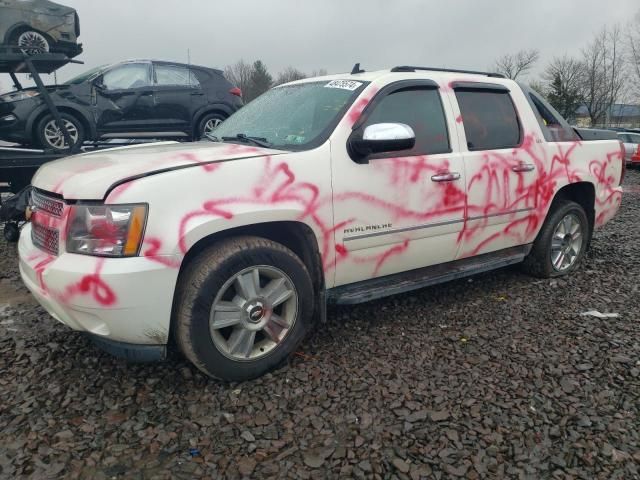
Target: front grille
(45, 238)
(47, 204)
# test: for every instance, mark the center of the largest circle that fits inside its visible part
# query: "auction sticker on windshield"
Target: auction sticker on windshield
(343, 84)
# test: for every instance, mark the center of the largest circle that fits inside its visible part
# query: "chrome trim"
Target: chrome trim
(523, 167)
(46, 203)
(510, 212)
(430, 225)
(45, 238)
(446, 177)
(401, 230)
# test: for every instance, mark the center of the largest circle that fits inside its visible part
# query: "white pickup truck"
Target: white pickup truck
(337, 189)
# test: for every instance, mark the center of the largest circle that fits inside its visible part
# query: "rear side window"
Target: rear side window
(552, 127)
(171, 75)
(489, 118)
(421, 109)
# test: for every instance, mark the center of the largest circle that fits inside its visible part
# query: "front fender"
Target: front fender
(201, 230)
(192, 203)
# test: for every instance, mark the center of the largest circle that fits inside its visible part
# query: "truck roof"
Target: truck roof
(413, 72)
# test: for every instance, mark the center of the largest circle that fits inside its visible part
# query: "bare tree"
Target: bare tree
(633, 53)
(564, 77)
(538, 86)
(289, 74)
(320, 72)
(239, 74)
(519, 63)
(603, 74)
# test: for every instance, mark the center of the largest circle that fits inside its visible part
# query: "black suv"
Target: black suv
(132, 99)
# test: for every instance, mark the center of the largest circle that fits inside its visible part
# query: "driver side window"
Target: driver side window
(131, 75)
(421, 109)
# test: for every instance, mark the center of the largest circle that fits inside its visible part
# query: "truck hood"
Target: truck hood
(91, 176)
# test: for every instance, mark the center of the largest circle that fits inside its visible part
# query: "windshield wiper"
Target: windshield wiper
(259, 141)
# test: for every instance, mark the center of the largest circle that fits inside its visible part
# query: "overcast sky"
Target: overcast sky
(334, 34)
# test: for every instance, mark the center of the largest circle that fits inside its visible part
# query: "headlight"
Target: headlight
(19, 95)
(106, 230)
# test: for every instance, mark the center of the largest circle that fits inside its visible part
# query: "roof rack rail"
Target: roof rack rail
(408, 68)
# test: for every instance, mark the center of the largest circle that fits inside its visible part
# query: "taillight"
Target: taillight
(236, 91)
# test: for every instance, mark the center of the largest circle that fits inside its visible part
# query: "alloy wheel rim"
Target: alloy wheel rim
(54, 136)
(566, 243)
(253, 313)
(33, 43)
(211, 124)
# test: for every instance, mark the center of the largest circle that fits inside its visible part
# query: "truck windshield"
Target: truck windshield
(291, 117)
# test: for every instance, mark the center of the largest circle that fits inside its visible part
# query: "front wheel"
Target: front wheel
(243, 306)
(32, 42)
(49, 136)
(561, 243)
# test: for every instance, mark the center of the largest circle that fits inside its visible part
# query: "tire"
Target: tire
(11, 232)
(208, 122)
(50, 137)
(31, 42)
(540, 261)
(244, 349)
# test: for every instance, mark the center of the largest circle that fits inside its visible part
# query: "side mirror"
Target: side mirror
(98, 85)
(382, 137)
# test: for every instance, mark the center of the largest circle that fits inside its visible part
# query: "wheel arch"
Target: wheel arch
(16, 28)
(584, 194)
(21, 27)
(296, 236)
(87, 124)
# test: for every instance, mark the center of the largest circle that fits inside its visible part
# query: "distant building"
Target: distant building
(620, 115)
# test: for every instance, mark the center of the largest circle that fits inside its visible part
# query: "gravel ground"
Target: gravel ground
(496, 376)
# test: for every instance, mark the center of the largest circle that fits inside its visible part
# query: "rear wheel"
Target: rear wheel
(208, 123)
(49, 136)
(561, 243)
(243, 306)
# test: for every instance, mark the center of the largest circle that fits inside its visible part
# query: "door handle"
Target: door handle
(197, 94)
(446, 177)
(523, 167)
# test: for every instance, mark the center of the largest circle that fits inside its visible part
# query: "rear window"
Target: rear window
(489, 118)
(171, 75)
(553, 129)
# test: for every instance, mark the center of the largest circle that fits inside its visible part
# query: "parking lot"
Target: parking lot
(498, 375)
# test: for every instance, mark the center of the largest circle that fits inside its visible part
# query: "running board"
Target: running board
(367, 290)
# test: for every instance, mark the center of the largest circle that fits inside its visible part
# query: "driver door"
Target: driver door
(123, 99)
(399, 211)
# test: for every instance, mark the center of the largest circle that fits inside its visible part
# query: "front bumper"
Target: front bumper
(125, 300)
